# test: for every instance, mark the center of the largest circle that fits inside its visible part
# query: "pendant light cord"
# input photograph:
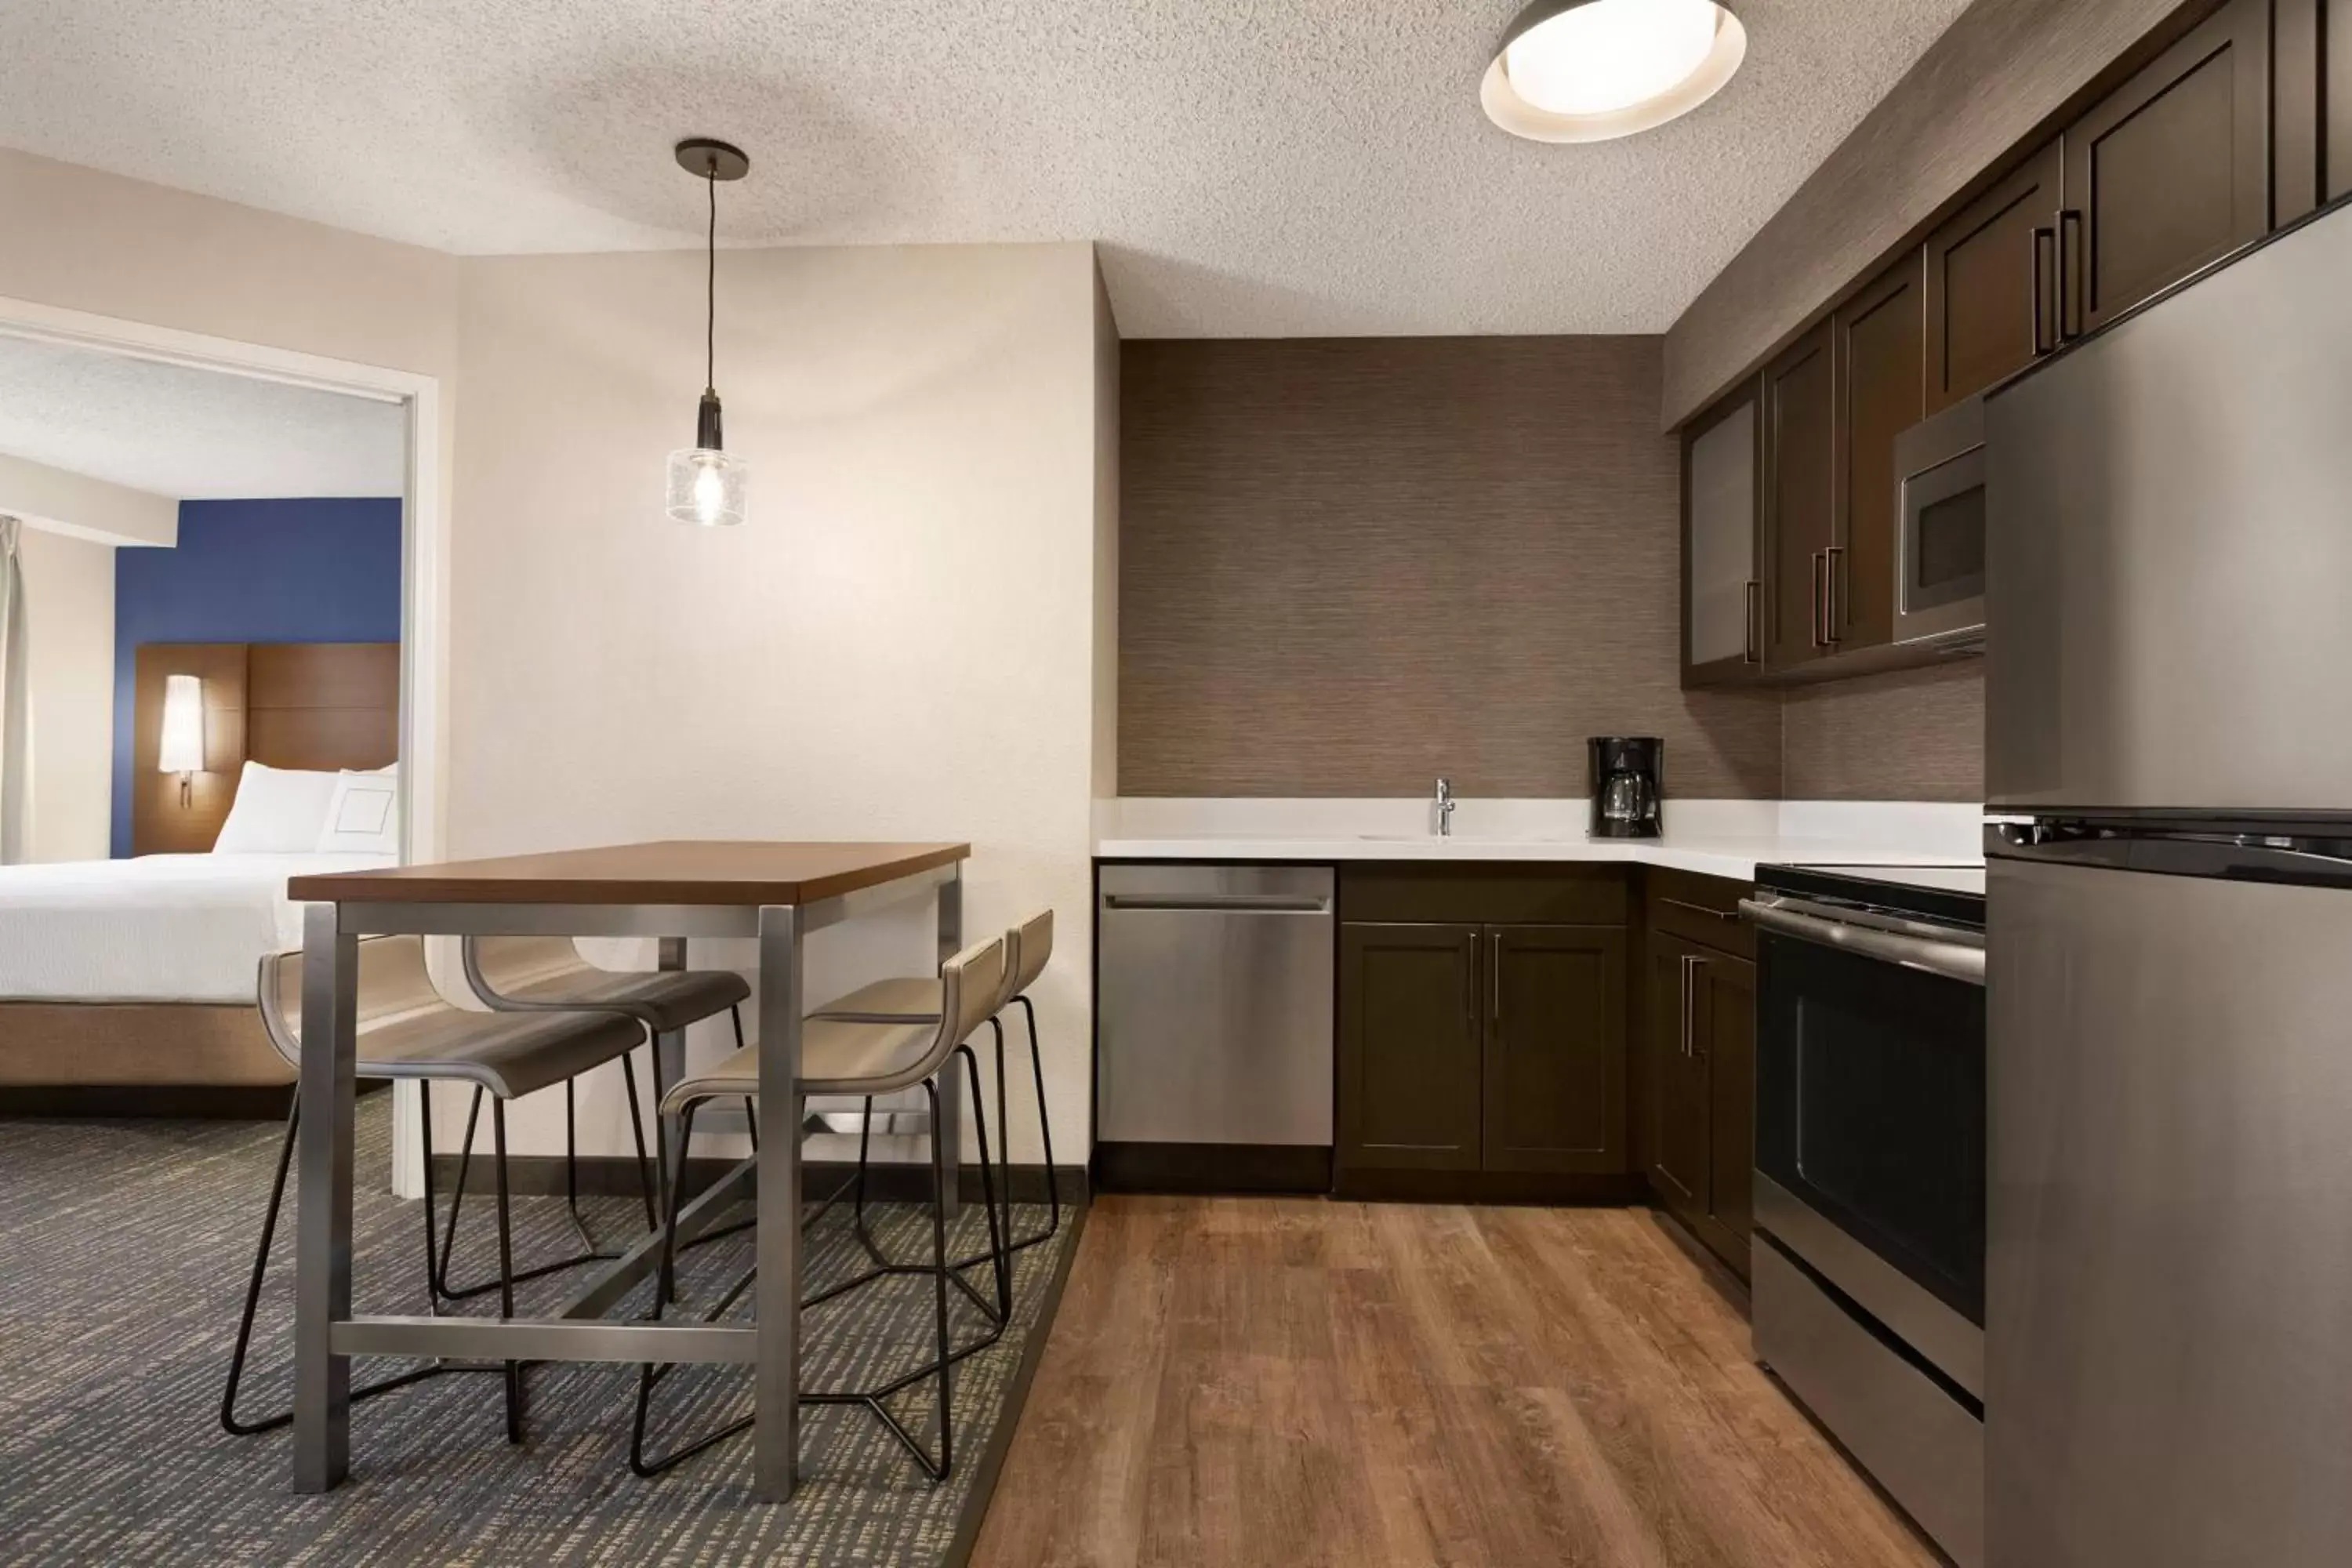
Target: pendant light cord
(710, 289)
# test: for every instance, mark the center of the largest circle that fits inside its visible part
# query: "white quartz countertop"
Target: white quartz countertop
(1713, 838)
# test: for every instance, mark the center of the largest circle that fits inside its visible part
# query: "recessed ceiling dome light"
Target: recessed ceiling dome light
(1586, 70)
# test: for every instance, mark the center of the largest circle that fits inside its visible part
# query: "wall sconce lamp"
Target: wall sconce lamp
(182, 748)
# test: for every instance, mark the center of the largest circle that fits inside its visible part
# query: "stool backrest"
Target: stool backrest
(394, 984)
(970, 987)
(1033, 945)
(500, 965)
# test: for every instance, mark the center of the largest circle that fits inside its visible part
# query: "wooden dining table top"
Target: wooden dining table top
(679, 871)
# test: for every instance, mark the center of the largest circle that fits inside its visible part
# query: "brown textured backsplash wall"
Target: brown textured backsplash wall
(1350, 565)
(1914, 735)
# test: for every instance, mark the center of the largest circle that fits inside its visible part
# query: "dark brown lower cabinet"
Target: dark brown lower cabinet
(1555, 1065)
(1701, 1071)
(1484, 1058)
(1411, 1048)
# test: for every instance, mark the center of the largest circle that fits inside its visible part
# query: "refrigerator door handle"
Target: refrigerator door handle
(1952, 959)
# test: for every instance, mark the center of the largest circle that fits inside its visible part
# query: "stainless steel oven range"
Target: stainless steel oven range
(1869, 1259)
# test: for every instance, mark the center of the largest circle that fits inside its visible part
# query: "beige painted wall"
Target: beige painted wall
(1105, 586)
(69, 615)
(79, 507)
(899, 642)
(84, 240)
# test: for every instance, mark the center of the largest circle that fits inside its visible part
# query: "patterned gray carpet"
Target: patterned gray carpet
(123, 1253)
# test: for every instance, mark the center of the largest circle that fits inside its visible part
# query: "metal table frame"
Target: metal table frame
(326, 1334)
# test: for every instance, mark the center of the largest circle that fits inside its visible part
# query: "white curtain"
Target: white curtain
(15, 705)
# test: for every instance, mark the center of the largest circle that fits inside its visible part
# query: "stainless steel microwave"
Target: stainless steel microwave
(1939, 545)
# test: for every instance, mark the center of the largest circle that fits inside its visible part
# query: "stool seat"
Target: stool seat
(837, 1057)
(901, 999)
(510, 1054)
(662, 1000)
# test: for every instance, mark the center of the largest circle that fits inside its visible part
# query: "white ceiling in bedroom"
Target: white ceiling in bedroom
(1253, 168)
(192, 435)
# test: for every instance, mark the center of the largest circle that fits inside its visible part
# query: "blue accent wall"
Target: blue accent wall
(253, 571)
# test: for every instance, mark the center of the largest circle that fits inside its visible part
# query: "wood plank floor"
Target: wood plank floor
(1292, 1382)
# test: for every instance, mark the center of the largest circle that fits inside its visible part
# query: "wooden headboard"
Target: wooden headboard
(288, 705)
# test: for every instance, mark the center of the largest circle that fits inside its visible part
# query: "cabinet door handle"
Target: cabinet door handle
(2071, 275)
(1817, 559)
(1831, 615)
(1689, 966)
(1470, 986)
(2045, 260)
(1494, 976)
(1698, 972)
(1751, 629)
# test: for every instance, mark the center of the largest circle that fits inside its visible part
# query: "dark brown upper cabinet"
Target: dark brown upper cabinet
(1799, 502)
(2311, 105)
(1555, 1069)
(1412, 1027)
(1877, 336)
(2336, 99)
(2170, 171)
(1991, 283)
(1723, 603)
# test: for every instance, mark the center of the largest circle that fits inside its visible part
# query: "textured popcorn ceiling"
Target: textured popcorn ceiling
(1253, 167)
(192, 435)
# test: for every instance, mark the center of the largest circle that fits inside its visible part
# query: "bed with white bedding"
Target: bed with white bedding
(127, 986)
(159, 928)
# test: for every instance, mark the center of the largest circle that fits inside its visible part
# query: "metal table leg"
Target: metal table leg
(322, 1234)
(776, 1398)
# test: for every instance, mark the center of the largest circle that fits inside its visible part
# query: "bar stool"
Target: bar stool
(547, 975)
(405, 1030)
(913, 999)
(865, 1060)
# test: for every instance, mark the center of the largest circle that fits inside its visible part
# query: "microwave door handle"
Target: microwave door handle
(1948, 959)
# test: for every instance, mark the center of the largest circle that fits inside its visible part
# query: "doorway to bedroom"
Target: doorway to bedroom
(205, 599)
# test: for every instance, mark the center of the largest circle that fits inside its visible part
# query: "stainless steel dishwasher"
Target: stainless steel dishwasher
(1213, 1037)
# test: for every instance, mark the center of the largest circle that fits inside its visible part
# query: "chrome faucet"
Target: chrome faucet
(1446, 809)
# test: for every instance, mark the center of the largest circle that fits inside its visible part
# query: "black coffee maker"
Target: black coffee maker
(1625, 795)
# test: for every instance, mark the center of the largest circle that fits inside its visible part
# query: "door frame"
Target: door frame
(424, 559)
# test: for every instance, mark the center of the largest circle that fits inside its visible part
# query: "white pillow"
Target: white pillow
(363, 816)
(277, 811)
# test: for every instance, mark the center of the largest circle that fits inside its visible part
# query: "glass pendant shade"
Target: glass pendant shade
(705, 487)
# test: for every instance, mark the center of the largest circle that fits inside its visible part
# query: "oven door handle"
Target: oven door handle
(1950, 959)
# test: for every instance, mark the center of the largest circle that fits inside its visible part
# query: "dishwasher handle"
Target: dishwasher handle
(1220, 903)
(1953, 959)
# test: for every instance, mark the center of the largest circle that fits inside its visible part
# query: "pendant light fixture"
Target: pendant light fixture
(706, 485)
(1589, 70)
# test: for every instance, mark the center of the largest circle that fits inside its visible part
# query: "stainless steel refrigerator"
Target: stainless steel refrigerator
(2168, 1306)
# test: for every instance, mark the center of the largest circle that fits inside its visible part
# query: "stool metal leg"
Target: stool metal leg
(229, 1421)
(666, 1290)
(506, 1268)
(593, 1252)
(1045, 1128)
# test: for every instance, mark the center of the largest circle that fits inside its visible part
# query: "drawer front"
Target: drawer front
(1484, 894)
(1704, 909)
